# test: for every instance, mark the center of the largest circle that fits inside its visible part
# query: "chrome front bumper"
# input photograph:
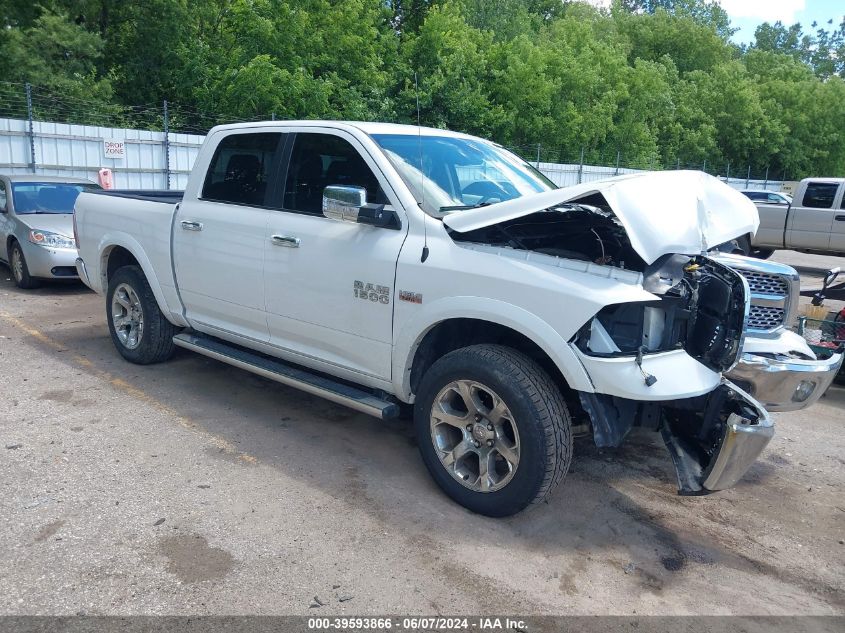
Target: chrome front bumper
(782, 373)
(741, 429)
(742, 444)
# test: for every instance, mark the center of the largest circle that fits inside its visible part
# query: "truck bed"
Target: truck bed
(136, 220)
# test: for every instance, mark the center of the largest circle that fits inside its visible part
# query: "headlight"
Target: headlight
(52, 240)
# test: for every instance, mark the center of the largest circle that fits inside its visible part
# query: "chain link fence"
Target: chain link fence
(42, 131)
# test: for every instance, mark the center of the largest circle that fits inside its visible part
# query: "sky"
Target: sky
(746, 15)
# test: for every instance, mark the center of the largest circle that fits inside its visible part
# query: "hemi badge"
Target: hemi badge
(410, 297)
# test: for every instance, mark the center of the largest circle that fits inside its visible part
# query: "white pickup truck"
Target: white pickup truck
(814, 222)
(381, 265)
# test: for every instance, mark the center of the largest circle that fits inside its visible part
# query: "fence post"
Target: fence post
(766, 181)
(748, 177)
(31, 132)
(678, 163)
(538, 156)
(728, 177)
(581, 166)
(704, 166)
(166, 146)
(616, 173)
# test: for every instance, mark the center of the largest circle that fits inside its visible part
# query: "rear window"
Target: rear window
(241, 168)
(47, 197)
(820, 195)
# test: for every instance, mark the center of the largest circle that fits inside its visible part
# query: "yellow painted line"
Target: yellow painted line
(139, 394)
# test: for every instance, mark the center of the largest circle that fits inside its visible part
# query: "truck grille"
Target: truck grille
(765, 317)
(766, 283)
(773, 292)
(766, 289)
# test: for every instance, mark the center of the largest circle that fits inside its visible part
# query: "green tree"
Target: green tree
(451, 60)
(60, 58)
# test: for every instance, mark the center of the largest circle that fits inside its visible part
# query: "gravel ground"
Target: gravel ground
(195, 488)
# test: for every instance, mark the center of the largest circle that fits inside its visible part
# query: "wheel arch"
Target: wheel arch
(500, 323)
(10, 239)
(117, 252)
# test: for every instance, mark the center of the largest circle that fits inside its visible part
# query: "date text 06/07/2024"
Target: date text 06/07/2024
(416, 624)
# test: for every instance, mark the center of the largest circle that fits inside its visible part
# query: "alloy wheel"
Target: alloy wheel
(127, 316)
(475, 435)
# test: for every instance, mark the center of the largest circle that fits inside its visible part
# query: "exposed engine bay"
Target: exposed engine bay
(584, 232)
(702, 310)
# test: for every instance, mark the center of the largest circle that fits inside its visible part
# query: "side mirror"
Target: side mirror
(349, 204)
(343, 203)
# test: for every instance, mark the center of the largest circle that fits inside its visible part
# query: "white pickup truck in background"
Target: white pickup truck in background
(381, 265)
(814, 222)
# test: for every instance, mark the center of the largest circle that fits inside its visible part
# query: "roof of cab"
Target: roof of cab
(364, 126)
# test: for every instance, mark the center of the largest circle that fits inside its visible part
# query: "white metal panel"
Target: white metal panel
(77, 150)
(63, 149)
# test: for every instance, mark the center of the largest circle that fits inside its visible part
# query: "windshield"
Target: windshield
(47, 197)
(459, 173)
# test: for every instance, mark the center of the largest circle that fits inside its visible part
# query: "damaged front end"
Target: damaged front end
(656, 363)
(712, 438)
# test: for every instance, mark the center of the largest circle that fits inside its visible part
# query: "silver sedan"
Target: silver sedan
(36, 226)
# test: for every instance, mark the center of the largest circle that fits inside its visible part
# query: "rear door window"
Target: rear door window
(242, 168)
(820, 195)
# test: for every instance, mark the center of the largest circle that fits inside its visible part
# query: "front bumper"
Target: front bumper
(741, 446)
(782, 374)
(49, 263)
(733, 432)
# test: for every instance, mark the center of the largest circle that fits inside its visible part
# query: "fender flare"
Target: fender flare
(109, 242)
(408, 339)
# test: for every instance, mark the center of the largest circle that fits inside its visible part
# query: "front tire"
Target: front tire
(20, 271)
(493, 429)
(138, 328)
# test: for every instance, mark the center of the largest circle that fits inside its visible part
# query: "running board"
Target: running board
(289, 375)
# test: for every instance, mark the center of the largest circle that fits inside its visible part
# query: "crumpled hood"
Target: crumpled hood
(663, 212)
(61, 223)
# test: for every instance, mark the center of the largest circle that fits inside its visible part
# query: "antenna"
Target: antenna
(424, 255)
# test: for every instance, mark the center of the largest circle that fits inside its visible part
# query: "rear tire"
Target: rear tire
(20, 271)
(493, 429)
(138, 328)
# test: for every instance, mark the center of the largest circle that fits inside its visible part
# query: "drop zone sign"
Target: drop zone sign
(114, 149)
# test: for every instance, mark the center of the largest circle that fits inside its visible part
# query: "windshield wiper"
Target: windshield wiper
(464, 207)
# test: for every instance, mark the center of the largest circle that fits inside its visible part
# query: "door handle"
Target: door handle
(841, 218)
(190, 225)
(286, 240)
